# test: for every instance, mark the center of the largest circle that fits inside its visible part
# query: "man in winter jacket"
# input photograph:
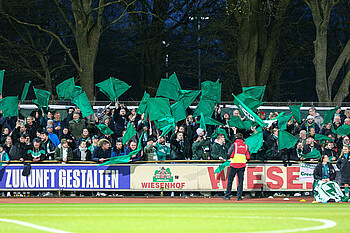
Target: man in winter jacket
(18, 150)
(47, 146)
(198, 147)
(239, 154)
(76, 126)
(102, 152)
(63, 152)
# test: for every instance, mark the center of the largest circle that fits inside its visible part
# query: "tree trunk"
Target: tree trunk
(87, 37)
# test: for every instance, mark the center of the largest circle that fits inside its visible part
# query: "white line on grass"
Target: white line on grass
(27, 224)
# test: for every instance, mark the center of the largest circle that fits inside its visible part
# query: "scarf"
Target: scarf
(346, 155)
(311, 126)
(325, 171)
(64, 153)
(83, 153)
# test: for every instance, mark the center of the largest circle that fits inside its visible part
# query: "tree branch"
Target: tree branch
(77, 67)
(70, 25)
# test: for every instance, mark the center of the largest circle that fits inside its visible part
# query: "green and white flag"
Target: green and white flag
(324, 191)
(251, 116)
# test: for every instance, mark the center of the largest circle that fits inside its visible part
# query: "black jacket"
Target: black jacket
(17, 151)
(344, 165)
(318, 172)
(77, 155)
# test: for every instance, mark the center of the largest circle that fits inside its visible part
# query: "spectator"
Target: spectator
(102, 152)
(19, 148)
(93, 145)
(52, 136)
(179, 148)
(297, 153)
(326, 129)
(309, 123)
(43, 120)
(19, 129)
(311, 145)
(35, 153)
(324, 170)
(8, 144)
(85, 136)
(3, 155)
(63, 153)
(5, 133)
(198, 147)
(316, 116)
(47, 146)
(76, 126)
(58, 124)
(161, 151)
(343, 165)
(118, 149)
(131, 148)
(66, 135)
(329, 150)
(148, 150)
(337, 122)
(219, 148)
(31, 127)
(82, 153)
(69, 117)
(120, 120)
(302, 137)
(271, 140)
(340, 114)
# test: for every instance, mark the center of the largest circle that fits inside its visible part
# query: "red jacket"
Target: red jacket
(239, 154)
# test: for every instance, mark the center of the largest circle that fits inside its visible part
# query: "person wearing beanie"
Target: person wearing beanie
(94, 141)
(63, 152)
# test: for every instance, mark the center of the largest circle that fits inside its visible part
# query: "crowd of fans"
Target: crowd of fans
(42, 136)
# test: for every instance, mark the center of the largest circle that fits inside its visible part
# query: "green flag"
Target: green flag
(83, 103)
(113, 88)
(104, 129)
(206, 107)
(25, 91)
(211, 121)
(255, 142)
(283, 121)
(143, 104)
(169, 88)
(323, 138)
(220, 131)
(2, 74)
(328, 116)
(42, 98)
(256, 92)
(314, 154)
(65, 89)
(342, 130)
(166, 124)
(188, 96)
(286, 140)
(295, 109)
(129, 133)
(251, 116)
(236, 121)
(75, 93)
(158, 108)
(211, 91)
(249, 101)
(116, 160)
(222, 166)
(202, 124)
(178, 111)
(9, 106)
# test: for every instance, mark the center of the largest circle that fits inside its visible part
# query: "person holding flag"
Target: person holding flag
(343, 165)
(239, 154)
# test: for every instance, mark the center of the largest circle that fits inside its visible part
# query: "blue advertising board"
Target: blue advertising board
(65, 177)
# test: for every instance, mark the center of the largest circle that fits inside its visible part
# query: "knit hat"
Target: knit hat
(309, 117)
(199, 131)
(63, 140)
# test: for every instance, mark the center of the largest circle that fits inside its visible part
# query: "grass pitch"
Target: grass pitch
(230, 217)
